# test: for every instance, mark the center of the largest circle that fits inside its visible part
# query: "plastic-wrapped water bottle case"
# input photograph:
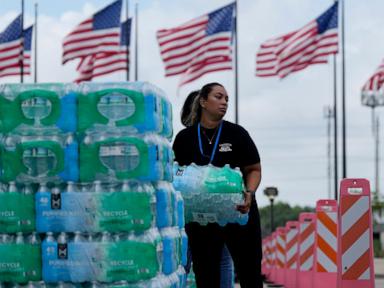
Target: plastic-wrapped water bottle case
(87, 169)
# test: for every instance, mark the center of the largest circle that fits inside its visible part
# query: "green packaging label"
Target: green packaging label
(125, 211)
(20, 263)
(17, 212)
(131, 261)
(224, 180)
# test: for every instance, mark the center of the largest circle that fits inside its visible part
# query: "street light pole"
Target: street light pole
(272, 222)
(271, 193)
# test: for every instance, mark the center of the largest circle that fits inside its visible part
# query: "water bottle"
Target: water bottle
(180, 209)
(34, 250)
(170, 238)
(183, 254)
(182, 276)
(164, 208)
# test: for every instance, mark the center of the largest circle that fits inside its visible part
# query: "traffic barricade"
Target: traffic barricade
(280, 256)
(355, 243)
(292, 238)
(325, 271)
(306, 250)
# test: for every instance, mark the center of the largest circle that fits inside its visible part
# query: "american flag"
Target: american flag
(376, 81)
(371, 94)
(295, 51)
(106, 63)
(200, 46)
(99, 33)
(10, 49)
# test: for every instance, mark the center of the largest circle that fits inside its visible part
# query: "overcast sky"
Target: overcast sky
(284, 117)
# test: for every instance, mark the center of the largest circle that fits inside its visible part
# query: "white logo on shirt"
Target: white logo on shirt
(225, 147)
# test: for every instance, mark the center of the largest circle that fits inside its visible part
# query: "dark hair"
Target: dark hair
(195, 113)
(187, 107)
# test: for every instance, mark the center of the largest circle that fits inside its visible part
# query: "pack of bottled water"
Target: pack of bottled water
(104, 258)
(44, 108)
(20, 260)
(210, 193)
(17, 213)
(89, 169)
(133, 107)
(129, 206)
(117, 157)
(43, 158)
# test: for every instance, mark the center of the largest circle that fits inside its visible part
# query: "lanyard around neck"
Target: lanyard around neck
(216, 142)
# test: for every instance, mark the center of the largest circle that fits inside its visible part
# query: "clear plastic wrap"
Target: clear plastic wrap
(210, 193)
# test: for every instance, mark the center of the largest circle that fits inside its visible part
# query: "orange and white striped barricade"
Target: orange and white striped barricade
(355, 244)
(269, 258)
(292, 240)
(273, 274)
(306, 250)
(264, 261)
(325, 270)
(280, 256)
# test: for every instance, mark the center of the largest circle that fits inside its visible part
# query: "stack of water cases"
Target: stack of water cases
(38, 145)
(112, 219)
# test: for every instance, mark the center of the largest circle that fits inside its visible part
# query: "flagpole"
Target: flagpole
(35, 74)
(136, 40)
(335, 126)
(21, 60)
(236, 67)
(343, 89)
(127, 12)
(335, 130)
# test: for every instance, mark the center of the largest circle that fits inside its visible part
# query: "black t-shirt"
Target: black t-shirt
(235, 146)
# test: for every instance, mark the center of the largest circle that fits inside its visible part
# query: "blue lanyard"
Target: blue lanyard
(216, 142)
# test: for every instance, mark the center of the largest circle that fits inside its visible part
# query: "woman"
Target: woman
(210, 139)
(226, 264)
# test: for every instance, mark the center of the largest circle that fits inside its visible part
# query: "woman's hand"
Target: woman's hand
(244, 208)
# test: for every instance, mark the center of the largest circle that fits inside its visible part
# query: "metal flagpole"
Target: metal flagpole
(236, 67)
(21, 60)
(136, 40)
(35, 74)
(343, 89)
(128, 32)
(335, 128)
(328, 114)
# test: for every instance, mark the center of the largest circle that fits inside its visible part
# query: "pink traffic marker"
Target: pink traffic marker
(292, 240)
(325, 270)
(306, 250)
(280, 256)
(264, 261)
(355, 244)
(269, 259)
(273, 252)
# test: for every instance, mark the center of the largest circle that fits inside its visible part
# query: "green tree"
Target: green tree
(283, 212)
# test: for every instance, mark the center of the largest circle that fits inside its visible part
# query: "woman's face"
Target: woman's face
(216, 103)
